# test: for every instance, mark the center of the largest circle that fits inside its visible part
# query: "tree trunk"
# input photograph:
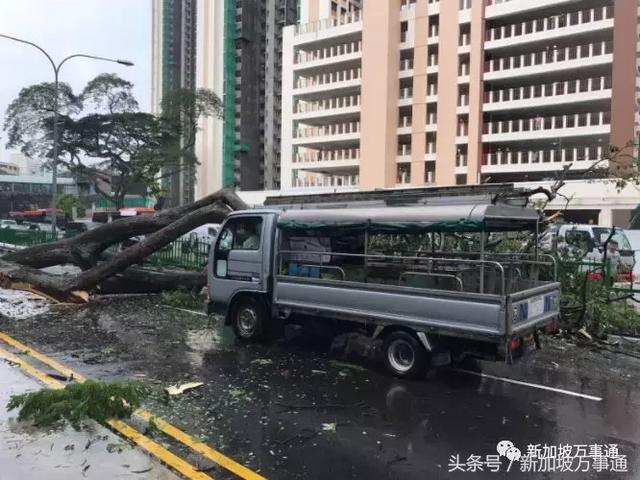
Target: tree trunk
(85, 250)
(144, 280)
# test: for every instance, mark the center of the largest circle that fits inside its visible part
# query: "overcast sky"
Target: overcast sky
(108, 28)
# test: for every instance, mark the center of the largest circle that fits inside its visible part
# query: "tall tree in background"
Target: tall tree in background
(105, 138)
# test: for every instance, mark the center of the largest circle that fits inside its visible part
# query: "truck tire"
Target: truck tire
(404, 355)
(248, 318)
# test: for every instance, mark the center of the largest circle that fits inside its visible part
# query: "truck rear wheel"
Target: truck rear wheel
(404, 355)
(248, 319)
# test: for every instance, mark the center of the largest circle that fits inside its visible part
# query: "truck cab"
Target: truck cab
(240, 267)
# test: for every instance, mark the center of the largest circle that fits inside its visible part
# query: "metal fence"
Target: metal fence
(184, 254)
(24, 238)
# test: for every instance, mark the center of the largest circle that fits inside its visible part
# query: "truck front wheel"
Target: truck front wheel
(248, 319)
(404, 355)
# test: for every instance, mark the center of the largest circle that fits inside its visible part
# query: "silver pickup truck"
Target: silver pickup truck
(346, 264)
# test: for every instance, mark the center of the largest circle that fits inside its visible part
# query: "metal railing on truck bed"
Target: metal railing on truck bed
(488, 276)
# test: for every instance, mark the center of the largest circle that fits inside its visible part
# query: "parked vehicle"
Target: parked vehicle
(571, 236)
(8, 224)
(430, 306)
(204, 233)
(634, 240)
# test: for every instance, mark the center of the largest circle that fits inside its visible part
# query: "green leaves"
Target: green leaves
(104, 137)
(109, 93)
(66, 202)
(78, 402)
(28, 120)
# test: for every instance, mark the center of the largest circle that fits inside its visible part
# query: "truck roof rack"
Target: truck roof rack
(485, 193)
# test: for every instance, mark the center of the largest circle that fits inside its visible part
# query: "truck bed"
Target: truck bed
(454, 312)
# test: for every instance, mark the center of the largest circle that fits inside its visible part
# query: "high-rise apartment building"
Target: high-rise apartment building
(252, 86)
(418, 92)
(173, 67)
(210, 75)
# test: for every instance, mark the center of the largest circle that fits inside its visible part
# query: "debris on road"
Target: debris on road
(76, 403)
(262, 361)
(180, 389)
(19, 304)
(585, 335)
(329, 427)
(350, 366)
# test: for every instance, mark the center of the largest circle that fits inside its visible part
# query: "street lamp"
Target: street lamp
(56, 71)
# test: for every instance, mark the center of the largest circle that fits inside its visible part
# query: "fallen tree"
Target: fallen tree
(87, 250)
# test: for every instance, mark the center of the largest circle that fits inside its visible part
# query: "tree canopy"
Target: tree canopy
(103, 135)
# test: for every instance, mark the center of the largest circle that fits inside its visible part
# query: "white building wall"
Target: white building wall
(156, 55)
(286, 159)
(210, 75)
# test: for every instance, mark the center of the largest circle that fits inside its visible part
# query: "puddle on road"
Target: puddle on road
(28, 453)
(207, 341)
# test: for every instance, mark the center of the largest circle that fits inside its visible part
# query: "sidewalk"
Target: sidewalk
(27, 453)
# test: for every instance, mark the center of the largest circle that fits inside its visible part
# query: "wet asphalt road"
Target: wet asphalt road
(292, 410)
(95, 453)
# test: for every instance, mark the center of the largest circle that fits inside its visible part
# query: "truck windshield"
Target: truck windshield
(602, 233)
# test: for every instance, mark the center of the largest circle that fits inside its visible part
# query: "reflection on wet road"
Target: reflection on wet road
(291, 410)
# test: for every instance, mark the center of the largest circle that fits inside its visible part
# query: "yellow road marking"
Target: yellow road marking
(30, 369)
(178, 464)
(201, 448)
(172, 431)
(175, 462)
(43, 358)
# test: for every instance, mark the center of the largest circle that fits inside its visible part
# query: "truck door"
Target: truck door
(239, 257)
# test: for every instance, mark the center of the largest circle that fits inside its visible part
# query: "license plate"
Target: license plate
(536, 306)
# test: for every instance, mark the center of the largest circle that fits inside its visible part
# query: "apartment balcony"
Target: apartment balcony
(404, 153)
(407, 10)
(541, 62)
(464, 43)
(432, 93)
(582, 23)
(407, 39)
(405, 126)
(580, 158)
(433, 7)
(331, 55)
(328, 136)
(406, 68)
(464, 16)
(326, 181)
(463, 73)
(328, 108)
(462, 134)
(430, 152)
(557, 127)
(405, 98)
(322, 161)
(503, 8)
(432, 121)
(463, 104)
(461, 161)
(433, 35)
(343, 79)
(343, 25)
(585, 90)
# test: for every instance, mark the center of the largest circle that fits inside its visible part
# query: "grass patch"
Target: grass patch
(76, 403)
(183, 298)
